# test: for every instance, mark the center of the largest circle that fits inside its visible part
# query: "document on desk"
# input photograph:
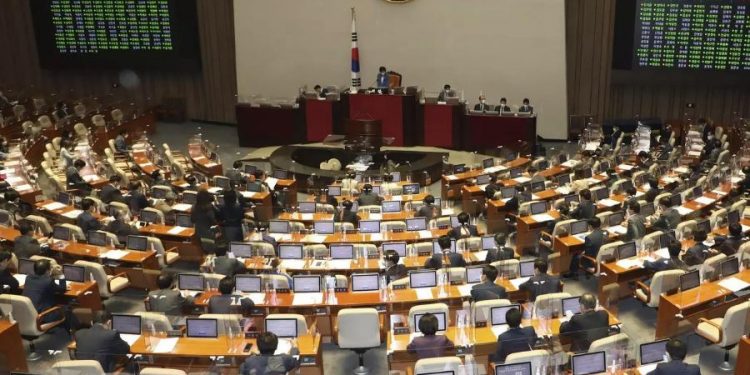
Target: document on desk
(522, 179)
(425, 234)
(682, 210)
(176, 230)
(114, 254)
(570, 163)
(377, 237)
(319, 264)
(129, 338)
(23, 187)
(53, 206)
(315, 238)
(397, 198)
(645, 369)
(734, 284)
(518, 281)
(271, 181)
(423, 293)
(625, 167)
(608, 202)
(494, 169)
(630, 263)
(72, 214)
(248, 194)
(258, 298)
(165, 345)
(451, 177)
(21, 278)
(499, 329)
(295, 264)
(214, 190)
(281, 236)
(617, 229)
(375, 216)
(182, 207)
(307, 299)
(481, 255)
(705, 200)
(341, 264)
(307, 216)
(719, 192)
(465, 290)
(284, 347)
(542, 218)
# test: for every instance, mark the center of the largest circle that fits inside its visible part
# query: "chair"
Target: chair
(685, 227)
(263, 248)
(551, 302)
(419, 247)
(301, 322)
(121, 206)
(79, 367)
(725, 332)
(650, 239)
(29, 321)
(481, 309)
(606, 252)
(709, 268)
(45, 122)
(98, 121)
(227, 323)
(455, 274)
(611, 346)
(109, 285)
(41, 223)
(718, 217)
(316, 250)
(277, 281)
(369, 210)
(442, 221)
(743, 253)
(81, 131)
(6, 219)
(161, 371)
(165, 257)
(159, 214)
(538, 358)
(358, 330)
(470, 243)
(296, 226)
(438, 365)
(75, 230)
(158, 321)
(428, 308)
(661, 282)
(562, 226)
(393, 226)
(508, 267)
(325, 208)
(337, 227)
(365, 249)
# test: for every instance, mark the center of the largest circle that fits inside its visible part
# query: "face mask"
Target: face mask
(482, 101)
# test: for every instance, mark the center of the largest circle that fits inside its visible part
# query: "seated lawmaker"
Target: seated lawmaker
(667, 217)
(345, 214)
(267, 362)
(454, 259)
(120, 227)
(166, 299)
(429, 345)
(677, 350)
(111, 191)
(368, 197)
(393, 270)
(515, 339)
(672, 263)
(541, 282)
(74, 180)
(235, 175)
(222, 304)
(464, 229)
(42, 288)
(222, 264)
(100, 342)
(86, 220)
(591, 245)
(731, 245)
(698, 253)
(587, 326)
(487, 289)
(501, 252)
(446, 93)
(25, 245)
(428, 210)
(503, 107)
(526, 107)
(482, 105)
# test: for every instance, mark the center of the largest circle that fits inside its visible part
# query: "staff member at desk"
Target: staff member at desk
(166, 300)
(526, 107)
(86, 220)
(100, 343)
(515, 339)
(222, 304)
(381, 81)
(74, 179)
(446, 93)
(25, 245)
(677, 350)
(430, 345)
(487, 289)
(464, 229)
(541, 282)
(120, 227)
(482, 105)
(8, 283)
(587, 326)
(268, 362)
(43, 291)
(368, 198)
(453, 259)
(393, 270)
(502, 252)
(503, 107)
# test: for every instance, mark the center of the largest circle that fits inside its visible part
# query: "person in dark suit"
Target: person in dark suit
(732, 243)
(541, 282)
(502, 252)
(225, 265)
(487, 289)
(235, 175)
(231, 215)
(121, 144)
(428, 211)
(86, 220)
(512, 204)
(464, 229)
(120, 227)
(587, 326)
(346, 215)
(526, 107)
(446, 93)
(672, 263)
(267, 362)
(393, 270)
(222, 304)
(668, 217)
(137, 199)
(111, 191)
(698, 253)
(591, 245)
(503, 107)
(167, 300)
(368, 198)
(482, 105)
(8, 283)
(653, 190)
(42, 289)
(677, 350)
(25, 245)
(636, 223)
(100, 343)
(515, 339)
(381, 81)
(73, 177)
(454, 259)
(430, 345)
(586, 208)
(204, 215)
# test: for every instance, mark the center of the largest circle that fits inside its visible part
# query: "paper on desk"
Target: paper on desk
(705, 200)
(625, 167)
(720, 192)
(128, 338)
(682, 210)
(645, 369)
(465, 290)
(542, 217)
(397, 198)
(258, 298)
(54, 206)
(377, 237)
(307, 299)
(166, 345)
(425, 234)
(522, 179)
(214, 190)
(315, 238)
(562, 190)
(307, 216)
(617, 229)
(630, 263)
(190, 293)
(494, 169)
(451, 177)
(247, 194)
(295, 264)
(608, 202)
(114, 254)
(341, 264)
(681, 170)
(90, 177)
(23, 187)
(284, 347)
(518, 281)
(481, 255)
(375, 216)
(447, 211)
(72, 214)
(423, 293)
(176, 230)
(535, 197)
(271, 181)
(182, 207)
(581, 236)
(320, 264)
(734, 284)
(570, 163)
(281, 236)
(736, 179)
(21, 278)
(211, 164)
(499, 329)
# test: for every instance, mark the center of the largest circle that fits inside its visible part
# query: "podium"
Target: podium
(397, 113)
(364, 136)
(322, 118)
(484, 132)
(440, 124)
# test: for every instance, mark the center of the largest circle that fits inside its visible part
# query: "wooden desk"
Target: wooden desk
(318, 216)
(483, 132)
(705, 301)
(361, 238)
(201, 162)
(86, 294)
(16, 173)
(743, 357)
(529, 230)
(12, 354)
(187, 243)
(450, 185)
(141, 159)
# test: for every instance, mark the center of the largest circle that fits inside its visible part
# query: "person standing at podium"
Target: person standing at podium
(526, 107)
(381, 82)
(503, 106)
(446, 93)
(482, 105)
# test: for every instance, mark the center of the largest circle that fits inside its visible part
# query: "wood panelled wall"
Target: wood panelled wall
(209, 93)
(594, 88)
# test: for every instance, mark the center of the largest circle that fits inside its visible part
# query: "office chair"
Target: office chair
(359, 330)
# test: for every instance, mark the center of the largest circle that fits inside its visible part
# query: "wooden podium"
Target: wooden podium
(364, 135)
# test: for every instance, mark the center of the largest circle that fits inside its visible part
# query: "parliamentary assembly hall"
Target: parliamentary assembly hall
(374, 187)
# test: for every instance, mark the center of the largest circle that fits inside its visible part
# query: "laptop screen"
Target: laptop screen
(250, 169)
(474, 274)
(440, 318)
(139, 243)
(324, 227)
(454, 221)
(416, 223)
(391, 206)
(647, 209)
(289, 251)
(516, 172)
(523, 368)
(690, 280)
(306, 283)
(149, 216)
(334, 190)
(307, 207)
(61, 233)
(626, 250)
(190, 282)
(537, 186)
(280, 174)
(601, 193)
(497, 314)
(241, 249)
(63, 198)
(572, 198)
(202, 328)
(398, 247)
(74, 273)
(538, 208)
(675, 200)
(488, 163)
(411, 189)
(365, 282)
(729, 266)
(590, 363)
(422, 279)
(616, 218)
(654, 352)
(563, 179)
(376, 189)
(183, 221)
(278, 226)
(527, 268)
(189, 197)
(286, 328)
(488, 242)
(733, 217)
(571, 305)
(578, 227)
(26, 266)
(97, 238)
(483, 179)
(247, 283)
(126, 324)
(369, 226)
(507, 192)
(705, 226)
(459, 168)
(222, 183)
(342, 251)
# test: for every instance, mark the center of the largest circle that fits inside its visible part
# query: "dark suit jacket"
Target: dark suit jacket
(585, 210)
(514, 340)
(731, 245)
(269, 364)
(430, 346)
(87, 222)
(593, 242)
(395, 272)
(222, 304)
(428, 212)
(488, 290)
(482, 107)
(43, 291)
(456, 232)
(538, 285)
(503, 253)
(455, 259)
(585, 328)
(8, 283)
(665, 264)
(110, 194)
(370, 199)
(676, 367)
(227, 266)
(346, 216)
(100, 344)
(166, 301)
(121, 229)
(502, 108)
(26, 246)
(120, 144)
(75, 181)
(696, 254)
(668, 219)
(137, 201)
(525, 109)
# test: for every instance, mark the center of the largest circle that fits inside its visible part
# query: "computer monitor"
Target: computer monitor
(376, 189)
(411, 188)
(158, 193)
(690, 280)
(306, 283)
(423, 279)
(250, 169)
(675, 200)
(586, 173)
(666, 238)
(63, 198)
(202, 328)
(241, 249)
(537, 186)
(126, 324)
(222, 183)
(572, 304)
(600, 193)
(626, 250)
(342, 251)
(369, 226)
(488, 163)
(391, 206)
(526, 268)
(307, 207)
(483, 179)
(507, 192)
(538, 207)
(454, 221)
(26, 266)
(488, 243)
(562, 158)
(183, 220)
(578, 227)
(247, 283)
(603, 166)
(572, 198)
(398, 247)
(188, 281)
(589, 363)
(474, 274)
(396, 176)
(149, 216)
(97, 238)
(697, 192)
(282, 327)
(563, 179)
(61, 233)
(704, 225)
(253, 187)
(497, 314)
(653, 352)
(729, 266)
(416, 223)
(523, 368)
(733, 217)
(516, 172)
(437, 250)
(334, 190)
(365, 282)
(189, 197)
(278, 226)
(291, 251)
(139, 243)
(280, 174)
(324, 227)
(73, 273)
(459, 168)
(440, 318)
(542, 165)
(647, 209)
(626, 185)
(616, 218)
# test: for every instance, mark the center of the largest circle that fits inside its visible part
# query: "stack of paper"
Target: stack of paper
(630, 263)
(518, 281)
(315, 238)
(682, 210)
(73, 214)
(176, 230)
(258, 298)
(625, 167)
(295, 264)
(608, 202)
(465, 290)
(498, 330)
(114, 254)
(307, 299)
(705, 200)
(522, 179)
(451, 177)
(481, 255)
(271, 181)
(617, 229)
(129, 338)
(733, 284)
(165, 345)
(182, 207)
(542, 217)
(54, 206)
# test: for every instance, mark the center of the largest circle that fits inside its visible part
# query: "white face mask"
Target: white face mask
(482, 101)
